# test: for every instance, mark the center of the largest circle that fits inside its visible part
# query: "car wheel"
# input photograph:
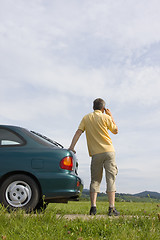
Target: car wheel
(19, 191)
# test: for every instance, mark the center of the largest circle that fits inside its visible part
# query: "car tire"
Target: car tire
(19, 191)
(41, 206)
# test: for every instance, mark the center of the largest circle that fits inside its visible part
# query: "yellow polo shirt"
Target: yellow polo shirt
(96, 125)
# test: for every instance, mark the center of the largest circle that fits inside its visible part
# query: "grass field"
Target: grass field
(137, 221)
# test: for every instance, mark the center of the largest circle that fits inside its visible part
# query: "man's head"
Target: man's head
(99, 104)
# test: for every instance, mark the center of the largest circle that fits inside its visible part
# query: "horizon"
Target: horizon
(128, 193)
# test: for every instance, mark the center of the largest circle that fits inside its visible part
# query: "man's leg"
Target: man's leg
(96, 177)
(111, 199)
(112, 209)
(111, 172)
(93, 198)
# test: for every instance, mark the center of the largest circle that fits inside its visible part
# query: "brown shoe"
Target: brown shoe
(113, 212)
(93, 211)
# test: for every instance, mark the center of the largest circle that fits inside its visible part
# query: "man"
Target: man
(96, 125)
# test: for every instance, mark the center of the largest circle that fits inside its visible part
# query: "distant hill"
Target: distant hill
(155, 195)
(146, 196)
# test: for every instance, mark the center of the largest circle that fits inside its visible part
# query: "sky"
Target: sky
(57, 56)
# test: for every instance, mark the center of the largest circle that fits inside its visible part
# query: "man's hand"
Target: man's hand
(71, 149)
(75, 139)
(107, 111)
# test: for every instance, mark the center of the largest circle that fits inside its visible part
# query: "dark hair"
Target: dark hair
(98, 104)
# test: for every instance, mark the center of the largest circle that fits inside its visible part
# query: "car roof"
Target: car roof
(10, 126)
(22, 131)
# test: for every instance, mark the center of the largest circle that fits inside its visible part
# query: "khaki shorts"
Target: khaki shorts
(106, 160)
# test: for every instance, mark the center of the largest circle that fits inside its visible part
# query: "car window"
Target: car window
(9, 138)
(39, 139)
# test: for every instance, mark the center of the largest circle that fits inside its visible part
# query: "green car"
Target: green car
(34, 169)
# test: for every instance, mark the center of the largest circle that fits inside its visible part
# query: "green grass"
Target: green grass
(137, 221)
(125, 208)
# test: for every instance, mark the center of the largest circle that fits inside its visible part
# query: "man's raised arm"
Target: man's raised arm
(75, 140)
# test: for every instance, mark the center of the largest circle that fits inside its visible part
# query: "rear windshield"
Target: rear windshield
(42, 139)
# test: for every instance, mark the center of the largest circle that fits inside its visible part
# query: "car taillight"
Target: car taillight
(78, 183)
(67, 163)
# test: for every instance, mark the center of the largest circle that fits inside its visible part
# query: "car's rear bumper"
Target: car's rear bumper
(70, 190)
